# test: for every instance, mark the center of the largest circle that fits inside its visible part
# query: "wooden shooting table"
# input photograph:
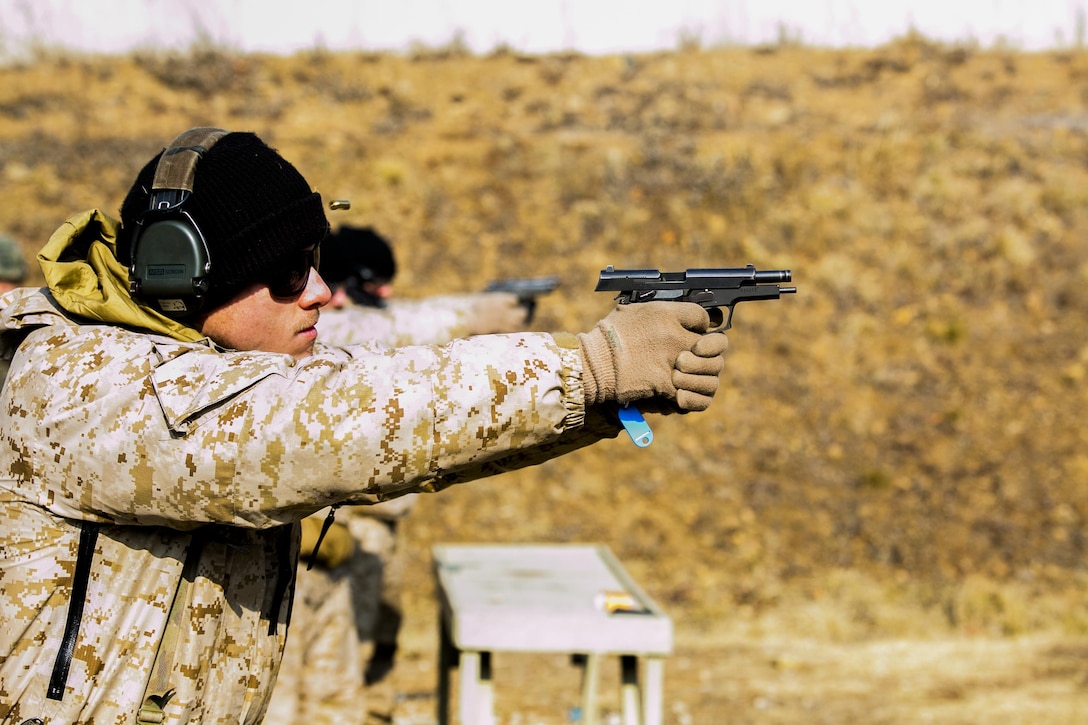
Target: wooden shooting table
(546, 598)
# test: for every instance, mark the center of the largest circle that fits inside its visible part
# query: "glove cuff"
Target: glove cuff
(599, 369)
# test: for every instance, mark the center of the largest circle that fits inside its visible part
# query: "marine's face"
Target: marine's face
(339, 298)
(255, 319)
(6, 286)
(381, 289)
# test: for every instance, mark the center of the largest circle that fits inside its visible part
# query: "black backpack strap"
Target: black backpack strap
(285, 582)
(325, 526)
(88, 538)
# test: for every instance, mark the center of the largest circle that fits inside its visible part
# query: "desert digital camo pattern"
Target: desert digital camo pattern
(173, 445)
(380, 615)
(321, 674)
(430, 321)
(320, 679)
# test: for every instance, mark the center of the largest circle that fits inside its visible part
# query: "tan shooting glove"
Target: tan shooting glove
(498, 312)
(697, 371)
(635, 353)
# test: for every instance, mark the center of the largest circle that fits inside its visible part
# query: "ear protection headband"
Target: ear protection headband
(170, 260)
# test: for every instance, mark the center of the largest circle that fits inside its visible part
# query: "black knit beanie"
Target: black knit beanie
(252, 206)
(356, 251)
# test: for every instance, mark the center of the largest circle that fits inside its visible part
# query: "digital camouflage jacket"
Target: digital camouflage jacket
(430, 321)
(138, 467)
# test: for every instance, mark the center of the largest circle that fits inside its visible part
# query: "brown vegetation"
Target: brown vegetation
(897, 456)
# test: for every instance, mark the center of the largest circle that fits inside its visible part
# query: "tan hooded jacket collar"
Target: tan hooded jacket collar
(82, 272)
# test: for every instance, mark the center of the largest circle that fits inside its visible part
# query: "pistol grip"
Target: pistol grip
(529, 303)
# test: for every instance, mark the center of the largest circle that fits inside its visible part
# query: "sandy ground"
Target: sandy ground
(729, 678)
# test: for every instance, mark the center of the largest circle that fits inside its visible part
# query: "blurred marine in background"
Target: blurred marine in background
(361, 265)
(358, 264)
(13, 273)
(349, 589)
(13, 268)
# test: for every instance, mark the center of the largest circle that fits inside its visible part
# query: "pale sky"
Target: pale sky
(590, 26)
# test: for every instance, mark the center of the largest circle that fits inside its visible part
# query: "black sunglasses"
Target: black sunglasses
(290, 279)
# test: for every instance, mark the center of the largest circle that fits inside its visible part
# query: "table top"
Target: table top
(546, 598)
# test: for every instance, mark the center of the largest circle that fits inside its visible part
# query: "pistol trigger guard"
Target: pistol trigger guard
(718, 319)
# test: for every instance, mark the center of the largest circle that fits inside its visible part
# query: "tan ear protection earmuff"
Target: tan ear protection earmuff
(170, 261)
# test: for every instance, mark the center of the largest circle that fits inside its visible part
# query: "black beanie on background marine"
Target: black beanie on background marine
(355, 256)
(252, 207)
(357, 251)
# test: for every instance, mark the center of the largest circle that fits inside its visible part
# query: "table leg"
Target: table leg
(630, 690)
(653, 703)
(590, 677)
(486, 713)
(447, 660)
(476, 695)
(468, 705)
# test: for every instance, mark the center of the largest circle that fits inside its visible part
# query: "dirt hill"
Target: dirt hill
(897, 451)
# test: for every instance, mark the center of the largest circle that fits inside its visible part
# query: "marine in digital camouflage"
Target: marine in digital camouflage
(13, 272)
(430, 321)
(181, 457)
(13, 267)
(379, 612)
(320, 678)
(356, 602)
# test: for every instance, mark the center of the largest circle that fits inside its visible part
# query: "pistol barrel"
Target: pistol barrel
(774, 275)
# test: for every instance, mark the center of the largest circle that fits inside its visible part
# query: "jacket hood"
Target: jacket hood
(85, 279)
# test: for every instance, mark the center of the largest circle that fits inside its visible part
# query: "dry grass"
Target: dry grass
(738, 678)
(895, 474)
